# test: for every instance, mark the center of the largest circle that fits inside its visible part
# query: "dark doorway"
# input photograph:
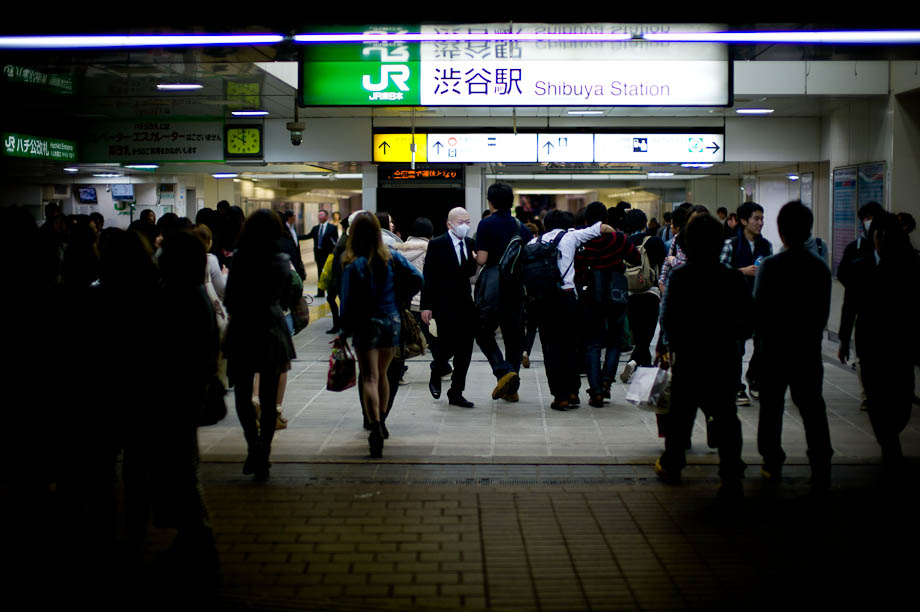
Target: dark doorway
(405, 204)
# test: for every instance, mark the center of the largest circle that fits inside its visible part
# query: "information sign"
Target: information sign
(513, 73)
(391, 148)
(38, 147)
(472, 148)
(686, 148)
(155, 140)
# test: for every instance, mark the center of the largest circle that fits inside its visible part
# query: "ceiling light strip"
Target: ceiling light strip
(455, 37)
(97, 42)
(808, 38)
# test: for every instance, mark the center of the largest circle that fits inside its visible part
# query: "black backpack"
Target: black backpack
(540, 268)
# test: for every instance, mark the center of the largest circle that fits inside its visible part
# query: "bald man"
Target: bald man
(446, 297)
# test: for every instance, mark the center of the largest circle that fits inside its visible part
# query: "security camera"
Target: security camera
(296, 128)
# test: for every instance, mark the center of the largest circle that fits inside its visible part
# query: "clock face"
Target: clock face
(245, 141)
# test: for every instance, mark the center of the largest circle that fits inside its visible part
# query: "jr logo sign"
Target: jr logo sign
(388, 72)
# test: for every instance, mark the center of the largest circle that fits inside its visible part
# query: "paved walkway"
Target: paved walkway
(326, 426)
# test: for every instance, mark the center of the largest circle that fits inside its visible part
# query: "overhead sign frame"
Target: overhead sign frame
(657, 145)
(525, 74)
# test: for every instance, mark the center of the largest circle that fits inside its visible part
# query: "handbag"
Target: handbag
(341, 367)
(650, 389)
(299, 307)
(213, 409)
(412, 341)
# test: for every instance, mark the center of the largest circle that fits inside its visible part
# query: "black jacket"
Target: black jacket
(447, 286)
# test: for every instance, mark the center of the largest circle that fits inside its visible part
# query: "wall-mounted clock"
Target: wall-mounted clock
(243, 141)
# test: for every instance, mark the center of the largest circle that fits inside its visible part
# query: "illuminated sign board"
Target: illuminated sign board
(420, 174)
(39, 147)
(515, 73)
(687, 148)
(471, 148)
(654, 147)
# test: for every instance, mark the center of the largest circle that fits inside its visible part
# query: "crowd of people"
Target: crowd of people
(171, 304)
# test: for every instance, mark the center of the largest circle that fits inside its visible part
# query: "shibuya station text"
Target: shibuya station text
(589, 90)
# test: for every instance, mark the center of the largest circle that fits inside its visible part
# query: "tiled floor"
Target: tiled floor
(326, 426)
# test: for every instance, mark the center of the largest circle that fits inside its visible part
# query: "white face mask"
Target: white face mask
(867, 224)
(460, 230)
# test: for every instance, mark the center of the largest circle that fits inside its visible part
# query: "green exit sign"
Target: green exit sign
(39, 147)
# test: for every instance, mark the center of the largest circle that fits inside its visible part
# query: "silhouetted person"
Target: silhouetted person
(871, 304)
(258, 340)
(705, 357)
(793, 297)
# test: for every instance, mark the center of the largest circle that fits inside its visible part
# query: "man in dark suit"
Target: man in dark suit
(324, 236)
(446, 297)
(289, 244)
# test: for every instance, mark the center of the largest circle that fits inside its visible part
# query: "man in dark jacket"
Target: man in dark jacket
(745, 251)
(324, 235)
(446, 296)
(497, 306)
(793, 298)
(705, 357)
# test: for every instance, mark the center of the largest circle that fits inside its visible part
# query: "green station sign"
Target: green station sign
(474, 65)
(39, 147)
(362, 74)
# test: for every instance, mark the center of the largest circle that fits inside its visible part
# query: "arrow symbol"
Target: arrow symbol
(438, 146)
(548, 146)
(715, 148)
(384, 144)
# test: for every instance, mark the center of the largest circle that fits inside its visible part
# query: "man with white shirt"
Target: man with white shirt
(324, 235)
(449, 264)
(557, 314)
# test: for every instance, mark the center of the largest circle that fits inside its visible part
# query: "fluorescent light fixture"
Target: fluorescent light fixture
(71, 169)
(754, 111)
(107, 175)
(369, 37)
(178, 86)
(142, 166)
(128, 41)
(222, 175)
(878, 37)
(551, 191)
(565, 177)
(586, 112)
(249, 113)
(696, 165)
(793, 177)
(659, 174)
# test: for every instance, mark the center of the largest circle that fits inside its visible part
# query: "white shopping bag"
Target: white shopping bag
(650, 389)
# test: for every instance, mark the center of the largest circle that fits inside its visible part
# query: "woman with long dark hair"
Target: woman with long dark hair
(257, 340)
(371, 315)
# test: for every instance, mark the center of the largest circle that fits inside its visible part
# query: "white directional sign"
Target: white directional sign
(555, 148)
(472, 148)
(688, 148)
(565, 147)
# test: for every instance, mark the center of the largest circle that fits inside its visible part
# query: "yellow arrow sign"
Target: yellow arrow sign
(395, 148)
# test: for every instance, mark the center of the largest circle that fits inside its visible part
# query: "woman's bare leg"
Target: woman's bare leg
(368, 363)
(384, 357)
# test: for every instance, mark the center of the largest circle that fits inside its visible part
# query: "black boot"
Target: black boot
(375, 440)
